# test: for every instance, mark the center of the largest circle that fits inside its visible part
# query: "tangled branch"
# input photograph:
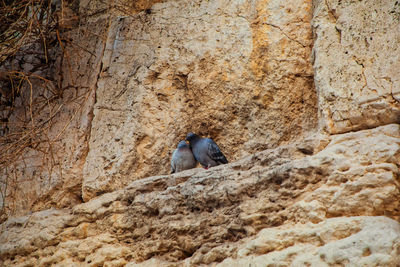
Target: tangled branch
(30, 27)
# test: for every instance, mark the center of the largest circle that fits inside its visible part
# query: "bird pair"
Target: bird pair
(203, 150)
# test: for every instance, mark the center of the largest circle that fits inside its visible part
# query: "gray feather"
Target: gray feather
(215, 153)
(206, 151)
(182, 158)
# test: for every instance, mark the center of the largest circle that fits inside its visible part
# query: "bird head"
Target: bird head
(182, 144)
(191, 137)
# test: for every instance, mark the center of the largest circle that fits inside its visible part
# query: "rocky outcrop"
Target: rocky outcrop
(347, 241)
(279, 205)
(238, 71)
(50, 121)
(294, 194)
(357, 58)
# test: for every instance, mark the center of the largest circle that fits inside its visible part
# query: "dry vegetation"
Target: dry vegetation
(32, 51)
(36, 81)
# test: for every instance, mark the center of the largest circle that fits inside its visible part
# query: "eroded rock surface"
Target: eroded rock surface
(54, 143)
(357, 58)
(276, 205)
(349, 241)
(237, 71)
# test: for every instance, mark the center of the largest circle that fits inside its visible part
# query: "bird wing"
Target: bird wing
(173, 162)
(215, 153)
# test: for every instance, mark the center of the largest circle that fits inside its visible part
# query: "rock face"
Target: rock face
(51, 148)
(239, 70)
(293, 194)
(357, 58)
(278, 206)
(349, 241)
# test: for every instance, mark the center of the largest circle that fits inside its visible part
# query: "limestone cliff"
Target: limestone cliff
(238, 71)
(300, 95)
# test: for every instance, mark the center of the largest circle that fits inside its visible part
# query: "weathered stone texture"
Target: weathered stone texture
(357, 62)
(218, 215)
(346, 241)
(238, 71)
(48, 173)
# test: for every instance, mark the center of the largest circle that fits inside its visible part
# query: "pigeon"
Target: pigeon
(182, 158)
(206, 151)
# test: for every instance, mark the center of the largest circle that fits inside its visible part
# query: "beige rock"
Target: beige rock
(222, 68)
(276, 205)
(349, 241)
(238, 71)
(23, 235)
(48, 173)
(356, 63)
(366, 167)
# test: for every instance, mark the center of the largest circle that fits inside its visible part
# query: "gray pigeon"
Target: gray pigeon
(182, 158)
(206, 151)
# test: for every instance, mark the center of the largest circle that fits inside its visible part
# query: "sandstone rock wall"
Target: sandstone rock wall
(357, 58)
(237, 71)
(227, 69)
(279, 206)
(240, 72)
(50, 120)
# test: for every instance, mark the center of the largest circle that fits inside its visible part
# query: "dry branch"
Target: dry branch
(25, 95)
